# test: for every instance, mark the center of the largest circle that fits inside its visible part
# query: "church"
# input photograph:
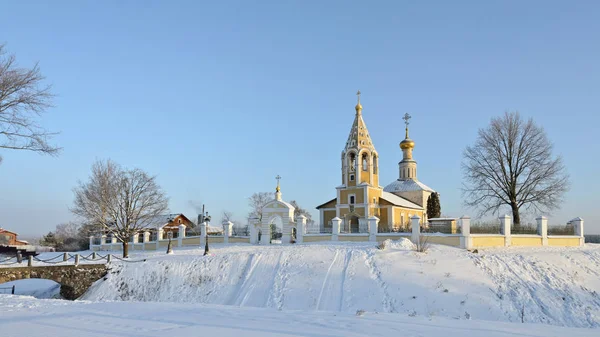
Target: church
(360, 196)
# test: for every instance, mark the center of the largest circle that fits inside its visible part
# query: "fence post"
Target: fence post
(93, 255)
(76, 259)
(466, 241)
(65, 257)
(108, 258)
(542, 228)
(203, 229)
(335, 228)
(252, 229)
(300, 228)
(505, 228)
(416, 229)
(159, 235)
(372, 223)
(227, 229)
(29, 261)
(180, 235)
(19, 257)
(578, 227)
(13, 290)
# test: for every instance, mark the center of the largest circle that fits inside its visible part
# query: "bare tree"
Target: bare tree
(226, 216)
(257, 203)
(122, 201)
(512, 164)
(301, 211)
(23, 99)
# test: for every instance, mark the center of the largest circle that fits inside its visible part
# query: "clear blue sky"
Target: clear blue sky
(217, 98)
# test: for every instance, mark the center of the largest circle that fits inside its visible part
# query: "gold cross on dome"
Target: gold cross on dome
(358, 95)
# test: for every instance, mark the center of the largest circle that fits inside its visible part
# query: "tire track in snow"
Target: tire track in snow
(242, 293)
(327, 283)
(389, 303)
(344, 277)
(275, 298)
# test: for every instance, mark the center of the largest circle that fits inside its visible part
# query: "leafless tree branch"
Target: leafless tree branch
(23, 99)
(511, 164)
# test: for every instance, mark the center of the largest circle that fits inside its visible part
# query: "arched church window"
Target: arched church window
(352, 162)
(352, 200)
(352, 177)
(365, 163)
(374, 163)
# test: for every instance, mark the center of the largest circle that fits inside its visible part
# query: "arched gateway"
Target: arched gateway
(275, 212)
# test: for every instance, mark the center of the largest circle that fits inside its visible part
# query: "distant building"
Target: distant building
(8, 238)
(169, 223)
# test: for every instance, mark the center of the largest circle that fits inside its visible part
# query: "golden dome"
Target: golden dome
(407, 144)
(358, 107)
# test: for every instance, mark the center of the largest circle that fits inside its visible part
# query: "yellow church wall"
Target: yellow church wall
(444, 240)
(383, 216)
(239, 240)
(327, 217)
(191, 241)
(330, 204)
(316, 238)
(408, 213)
(150, 246)
(563, 241)
(487, 241)
(518, 240)
(360, 210)
(363, 237)
(352, 183)
(381, 237)
(358, 192)
(165, 243)
(215, 239)
(365, 176)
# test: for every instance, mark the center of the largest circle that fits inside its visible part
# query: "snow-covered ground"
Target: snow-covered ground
(26, 316)
(558, 286)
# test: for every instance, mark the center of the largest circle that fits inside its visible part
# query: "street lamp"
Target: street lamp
(206, 219)
(170, 248)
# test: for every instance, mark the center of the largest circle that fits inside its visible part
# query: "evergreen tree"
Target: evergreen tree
(434, 210)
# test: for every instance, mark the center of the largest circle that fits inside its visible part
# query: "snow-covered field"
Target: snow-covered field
(25, 316)
(317, 289)
(557, 286)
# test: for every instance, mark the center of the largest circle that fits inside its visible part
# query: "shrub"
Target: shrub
(422, 245)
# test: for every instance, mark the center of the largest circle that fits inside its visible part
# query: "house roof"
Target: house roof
(2, 230)
(398, 201)
(407, 185)
(323, 204)
(164, 219)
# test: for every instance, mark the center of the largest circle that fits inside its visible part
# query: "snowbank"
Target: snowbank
(544, 285)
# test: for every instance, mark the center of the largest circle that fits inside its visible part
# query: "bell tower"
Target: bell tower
(360, 161)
